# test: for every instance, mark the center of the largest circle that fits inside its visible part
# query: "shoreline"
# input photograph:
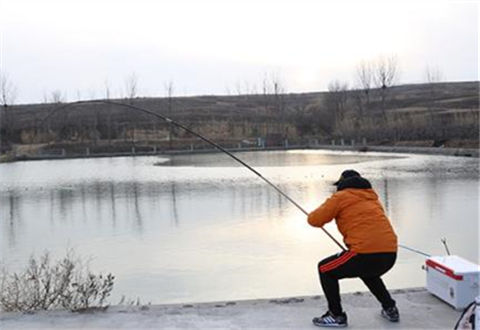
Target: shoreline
(418, 310)
(459, 152)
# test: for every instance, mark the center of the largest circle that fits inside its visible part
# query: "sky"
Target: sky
(81, 47)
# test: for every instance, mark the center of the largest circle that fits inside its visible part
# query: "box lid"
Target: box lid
(456, 264)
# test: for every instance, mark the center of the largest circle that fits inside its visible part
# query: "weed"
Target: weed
(66, 283)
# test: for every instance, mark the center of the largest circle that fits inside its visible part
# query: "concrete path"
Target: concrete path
(418, 310)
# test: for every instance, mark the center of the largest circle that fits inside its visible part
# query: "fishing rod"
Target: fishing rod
(173, 122)
(177, 124)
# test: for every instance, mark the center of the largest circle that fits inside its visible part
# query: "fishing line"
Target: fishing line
(173, 122)
(414, 250)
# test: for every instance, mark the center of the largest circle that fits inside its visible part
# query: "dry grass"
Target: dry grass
(66, 283)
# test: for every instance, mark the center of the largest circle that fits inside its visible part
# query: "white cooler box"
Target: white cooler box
(453, 279)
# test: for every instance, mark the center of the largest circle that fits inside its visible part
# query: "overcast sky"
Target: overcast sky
(213, 47)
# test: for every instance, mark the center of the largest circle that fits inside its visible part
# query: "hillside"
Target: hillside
(424, 114)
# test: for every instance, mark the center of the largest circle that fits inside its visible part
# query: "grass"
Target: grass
(66, 283)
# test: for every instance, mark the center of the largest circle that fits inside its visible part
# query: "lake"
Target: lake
(191, 228)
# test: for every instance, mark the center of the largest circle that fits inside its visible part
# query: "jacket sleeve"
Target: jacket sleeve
(325, 212)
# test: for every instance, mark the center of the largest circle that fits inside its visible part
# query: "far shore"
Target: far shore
(418, 310)
(446, 151)
(462, 152)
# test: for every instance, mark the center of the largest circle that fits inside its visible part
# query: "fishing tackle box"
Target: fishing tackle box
(453, 279)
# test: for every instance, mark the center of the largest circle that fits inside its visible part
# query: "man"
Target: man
(371, 244)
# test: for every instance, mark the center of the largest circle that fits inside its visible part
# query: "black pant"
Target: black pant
(368, 267)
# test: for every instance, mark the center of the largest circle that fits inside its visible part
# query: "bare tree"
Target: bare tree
(107, 88)
(45, 97)
(337, 98)
(131, 86)
(386, 71)
(433, 75)
(273, 91)
(357, 98)
(238, 88)
(57, 96)
(273, 94)
(250, 89)
(278, 92)
(279, 104)
(8, 91)
(364, 76)
(265, 92)
(169, 88)
(8, 94)
(131, 90)
(246, 89)
(106, 85)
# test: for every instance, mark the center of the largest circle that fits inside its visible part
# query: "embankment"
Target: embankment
(418, 310)
(462, 152)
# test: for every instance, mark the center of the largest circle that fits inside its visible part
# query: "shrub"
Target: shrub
(66, 283)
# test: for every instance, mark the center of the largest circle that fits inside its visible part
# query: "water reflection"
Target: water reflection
(14, 220)
(179, 225)
(112, 203)
(385, 197)
(174, 203)
(89, 204)
(138, 215)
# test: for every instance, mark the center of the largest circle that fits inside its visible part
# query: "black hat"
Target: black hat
(346, 174)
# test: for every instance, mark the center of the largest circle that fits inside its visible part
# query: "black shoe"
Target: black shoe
(331, 321)
(391, 314)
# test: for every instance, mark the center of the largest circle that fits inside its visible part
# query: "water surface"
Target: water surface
(200, 228)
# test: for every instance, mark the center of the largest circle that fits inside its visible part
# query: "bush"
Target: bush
(66, 283)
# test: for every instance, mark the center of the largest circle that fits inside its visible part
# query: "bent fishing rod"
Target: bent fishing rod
(217, 146)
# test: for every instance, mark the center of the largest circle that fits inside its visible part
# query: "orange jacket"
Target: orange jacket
(360, 219)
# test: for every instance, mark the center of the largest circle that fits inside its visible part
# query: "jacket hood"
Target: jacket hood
(356, 182)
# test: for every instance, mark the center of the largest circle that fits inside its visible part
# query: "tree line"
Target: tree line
(365, 108)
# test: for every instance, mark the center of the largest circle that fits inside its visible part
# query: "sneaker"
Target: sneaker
(391, 314)
(331, 321)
